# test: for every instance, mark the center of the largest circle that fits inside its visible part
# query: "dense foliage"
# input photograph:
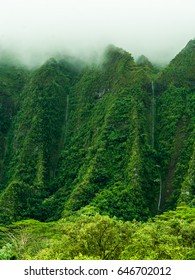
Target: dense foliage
(90, 154)
(175, 128)
(88, 235)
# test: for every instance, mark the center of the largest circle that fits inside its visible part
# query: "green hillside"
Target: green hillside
(88, 145)
(175, 129)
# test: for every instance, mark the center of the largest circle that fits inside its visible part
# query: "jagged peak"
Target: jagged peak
(144, 61)
(113, 54)
(112, 48)
(189, 48)
(180, 70)
(191, 44)
(51, 61)
(116, 59)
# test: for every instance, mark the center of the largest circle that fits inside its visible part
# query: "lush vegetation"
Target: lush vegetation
(92, 155)
(88, 235)
(175, 129)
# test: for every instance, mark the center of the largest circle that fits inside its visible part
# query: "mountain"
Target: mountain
(12, 81)
(144, 61)
(117, 137)
(180, 70)
(175, 127)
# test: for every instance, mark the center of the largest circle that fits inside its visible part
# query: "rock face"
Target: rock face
(117, 136)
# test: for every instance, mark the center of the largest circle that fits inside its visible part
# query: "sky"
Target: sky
(37, 29)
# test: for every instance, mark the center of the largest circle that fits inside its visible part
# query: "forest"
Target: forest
(97, 160)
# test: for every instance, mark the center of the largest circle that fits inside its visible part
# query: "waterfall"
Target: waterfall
(153, 114)
(160, 192)
(66, 119)
(67, 104)
(66, 114)
(152, 140)
(63, 135)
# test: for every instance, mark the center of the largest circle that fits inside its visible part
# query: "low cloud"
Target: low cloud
(37, 29)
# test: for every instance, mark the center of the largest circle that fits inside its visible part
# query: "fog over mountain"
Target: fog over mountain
(97, 161)
(36, 29)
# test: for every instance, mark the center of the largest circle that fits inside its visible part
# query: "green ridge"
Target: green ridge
(84, 146)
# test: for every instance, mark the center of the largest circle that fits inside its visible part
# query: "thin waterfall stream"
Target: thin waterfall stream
(152, 143)
(67, 104)
(63, 136)
(153, 114)
(160, 192)
(66, 114)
